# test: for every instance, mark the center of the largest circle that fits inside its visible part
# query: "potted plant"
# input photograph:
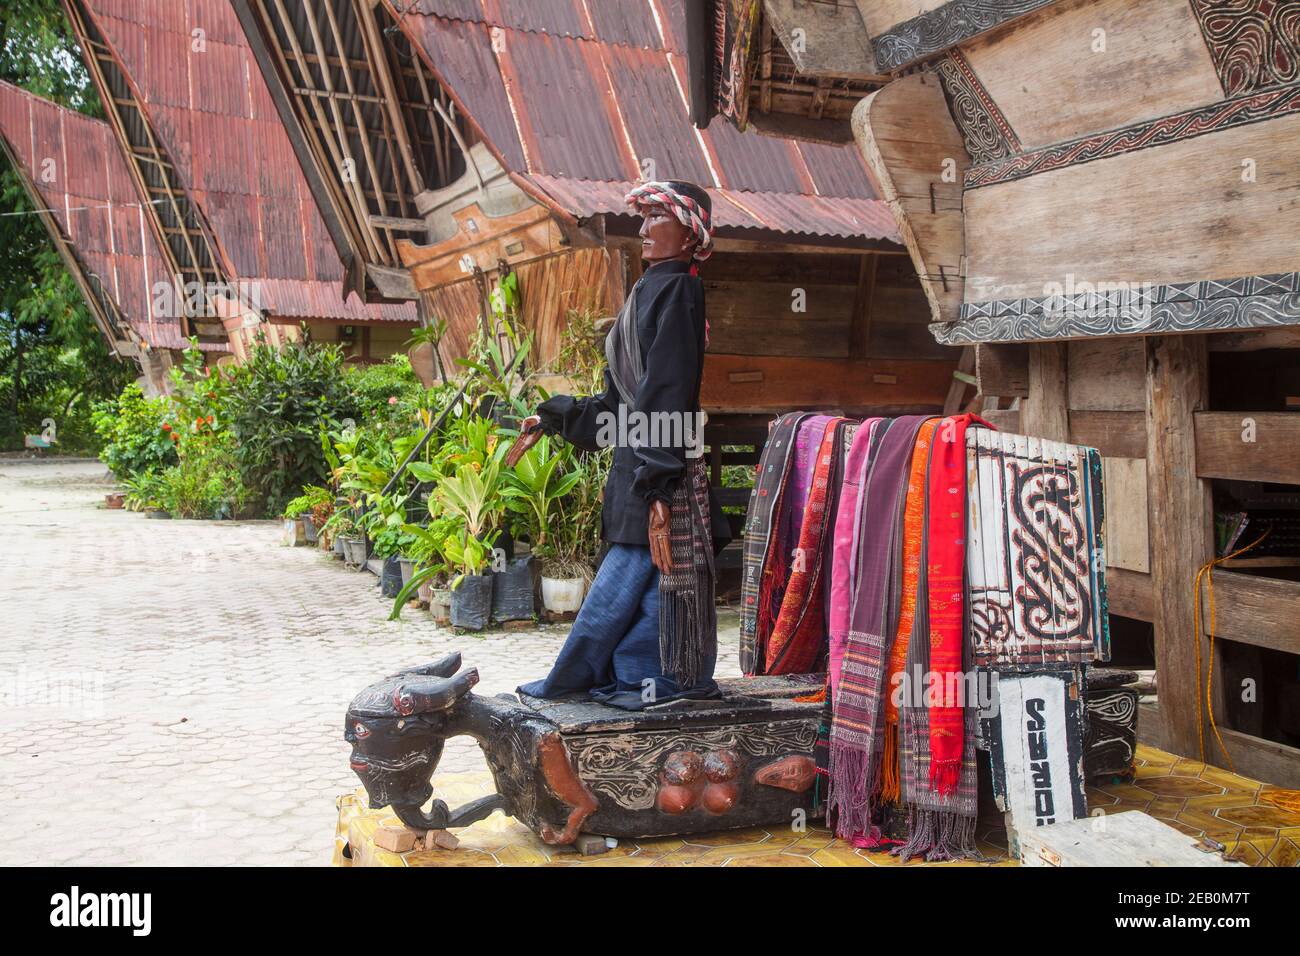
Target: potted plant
(320, 516)
(350, 537)
(534, 491)
(473, 497)
(300, 510)
(574, 538)
(427, 552)
(471, 589)
(384, 522)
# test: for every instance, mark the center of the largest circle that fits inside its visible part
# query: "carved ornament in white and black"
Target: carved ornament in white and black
(1209, 305)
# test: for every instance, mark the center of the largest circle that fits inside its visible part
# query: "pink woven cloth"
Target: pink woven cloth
(843, 551)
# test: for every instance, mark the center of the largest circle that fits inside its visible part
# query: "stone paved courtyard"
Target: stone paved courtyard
(174, 691)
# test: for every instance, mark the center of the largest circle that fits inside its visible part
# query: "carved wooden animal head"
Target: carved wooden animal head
(397, 728)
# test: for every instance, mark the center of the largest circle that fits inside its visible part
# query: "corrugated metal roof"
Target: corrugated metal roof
(578, 93)
(789, 213)
(209, 105)
(80, 175)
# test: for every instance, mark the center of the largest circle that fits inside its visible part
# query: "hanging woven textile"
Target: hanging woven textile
(1035, 566)
(764, 501)
(797, 644)
(912, 547)
(858, 715)
(844, 546)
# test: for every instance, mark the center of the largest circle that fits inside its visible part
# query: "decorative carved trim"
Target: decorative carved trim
(1209, 305)
(1167, 129)
(986, 131)
(625, 768)
(943, 27)
(568, 786)
(1254, 44)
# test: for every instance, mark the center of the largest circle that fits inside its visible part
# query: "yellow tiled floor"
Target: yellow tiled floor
(1207, 802)
(1199, 800)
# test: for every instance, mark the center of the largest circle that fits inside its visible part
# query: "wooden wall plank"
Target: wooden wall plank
(1257, 611)
(1125, 526)
(1045, 413)
(1181, 521)
(1173, 213)
(1114, 434)
(1053, 84)
(1108, 375)
(740, 383)
(1249, 446)
(757, 318)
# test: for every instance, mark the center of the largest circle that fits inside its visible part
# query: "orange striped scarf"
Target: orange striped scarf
(913, 536)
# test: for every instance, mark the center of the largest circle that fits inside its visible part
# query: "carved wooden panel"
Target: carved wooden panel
(1254, 44)
(986, 131)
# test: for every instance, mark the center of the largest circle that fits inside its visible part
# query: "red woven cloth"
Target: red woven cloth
(946, 566)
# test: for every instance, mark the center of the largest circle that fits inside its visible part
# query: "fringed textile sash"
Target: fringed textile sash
(764, 499)
(797, 644)
(946, 596)
(843, 547)
(912, 538)
(857, 724)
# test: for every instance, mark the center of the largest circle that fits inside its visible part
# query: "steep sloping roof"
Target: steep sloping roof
(582, 97)
(192, 73)
(75, 170)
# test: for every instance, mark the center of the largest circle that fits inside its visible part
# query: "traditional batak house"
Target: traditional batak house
(83, 191)
(1102, 198)
(452, 141)
(241, 249)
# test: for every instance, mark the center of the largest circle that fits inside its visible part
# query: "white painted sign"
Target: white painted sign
(1035, 749)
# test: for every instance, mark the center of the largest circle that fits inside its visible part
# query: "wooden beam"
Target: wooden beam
(1114, 434)
(1249, 446)
(1264, 760)
(1181, 521)
(1128, 594)
(1255, 610)
(1003, 370)
(748, 383)
(1254, 341)
(860, 326)
(1045, 413)
(952, 404)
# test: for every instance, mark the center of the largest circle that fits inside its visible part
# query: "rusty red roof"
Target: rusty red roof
(77, 172)
(191, 70)
(582, 97)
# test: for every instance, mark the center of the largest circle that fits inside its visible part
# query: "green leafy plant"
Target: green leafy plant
(137, 433)
(534, 490)
(312, 498)
(275, 407)
(144, 491)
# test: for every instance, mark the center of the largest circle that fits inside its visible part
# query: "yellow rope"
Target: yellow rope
(1207, 571)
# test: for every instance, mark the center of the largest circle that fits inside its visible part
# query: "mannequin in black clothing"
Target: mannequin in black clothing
(613, 649)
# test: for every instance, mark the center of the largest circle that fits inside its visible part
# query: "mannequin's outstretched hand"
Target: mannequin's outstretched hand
(529, 431)
(661, 550)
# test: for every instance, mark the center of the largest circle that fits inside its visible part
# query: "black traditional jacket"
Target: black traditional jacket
(670, 331)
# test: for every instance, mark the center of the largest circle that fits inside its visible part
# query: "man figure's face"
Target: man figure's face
(664, 237)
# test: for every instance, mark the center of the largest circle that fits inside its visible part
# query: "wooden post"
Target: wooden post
(1046, 413)
(1181, 521)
